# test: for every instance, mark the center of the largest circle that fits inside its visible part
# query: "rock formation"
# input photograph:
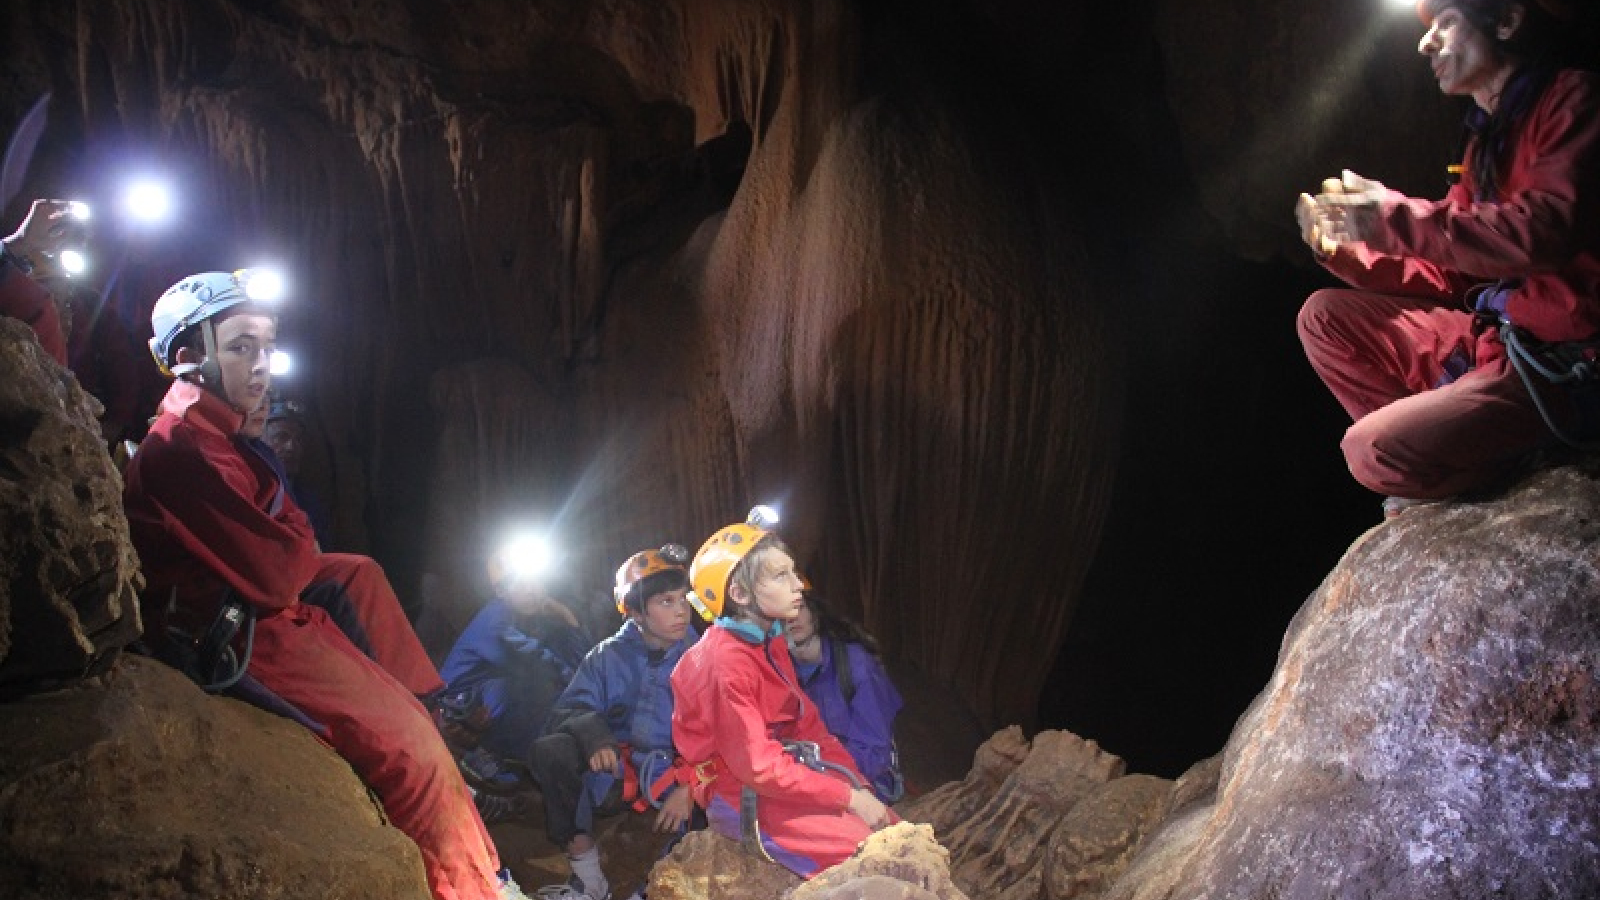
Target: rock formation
(708, 866)
(69, 577)
(134, 784)
(901, 862)
(1051, 818)
(1433, 726)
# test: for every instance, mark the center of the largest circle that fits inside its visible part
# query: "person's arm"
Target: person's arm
(580, 710)
(1540, 227)
(205, 503)
(872, 715)
(23, 298)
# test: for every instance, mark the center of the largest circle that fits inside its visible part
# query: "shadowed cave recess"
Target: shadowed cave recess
(995, 299)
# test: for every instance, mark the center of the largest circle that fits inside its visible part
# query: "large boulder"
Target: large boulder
(69, 577)
(1432, 728)
(134, 784)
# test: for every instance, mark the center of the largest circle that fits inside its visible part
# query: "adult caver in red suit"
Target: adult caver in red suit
(1417, 351)
(199, 510)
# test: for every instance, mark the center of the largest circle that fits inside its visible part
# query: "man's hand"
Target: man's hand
(869, 809)
(603, 760)
(48, 229)
(1310, 219)
(674, 810)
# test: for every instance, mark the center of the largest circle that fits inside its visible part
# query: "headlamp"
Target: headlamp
(526, 557)
(261, 285)
(73, 262)
(763, 517)
(147, 201)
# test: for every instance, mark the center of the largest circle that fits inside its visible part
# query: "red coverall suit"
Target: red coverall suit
(1438, 407)
(23, 298)
(196, 508)
(735, 702)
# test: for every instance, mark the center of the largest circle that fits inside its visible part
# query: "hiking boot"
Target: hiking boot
(1394, 506)
(498, 807)
(487, 772)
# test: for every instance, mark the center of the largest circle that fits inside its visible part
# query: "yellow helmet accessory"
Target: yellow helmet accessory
(713, 566)
(642, 565)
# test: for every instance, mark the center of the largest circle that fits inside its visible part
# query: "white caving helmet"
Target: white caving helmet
(196, 300)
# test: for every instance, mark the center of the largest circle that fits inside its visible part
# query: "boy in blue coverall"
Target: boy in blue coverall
(610, 732)
(507, 668)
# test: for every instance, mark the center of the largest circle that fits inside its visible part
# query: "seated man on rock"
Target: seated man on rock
(610, 733)
(204, 515)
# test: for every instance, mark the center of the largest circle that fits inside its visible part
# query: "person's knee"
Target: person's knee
(1382, 463)
(1319, 311)
(556, 756)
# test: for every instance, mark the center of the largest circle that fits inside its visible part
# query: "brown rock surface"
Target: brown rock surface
(707, 866)
(1096, 840)
(1000, 850)
(68, 574)
(903, 860)
(956, 802)
(135, 784)
(1431, 728)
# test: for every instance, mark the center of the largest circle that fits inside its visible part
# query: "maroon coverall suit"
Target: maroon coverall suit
(197, 512)
(1438, 408)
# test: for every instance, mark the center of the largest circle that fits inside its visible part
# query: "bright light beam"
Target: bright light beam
(148, 201)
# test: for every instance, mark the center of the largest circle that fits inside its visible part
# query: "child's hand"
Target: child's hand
(869, 809)
(603, 760)
(674, 810)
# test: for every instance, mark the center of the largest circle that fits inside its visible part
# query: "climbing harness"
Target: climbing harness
(1574, 365)
(806, 753)
(210, 660)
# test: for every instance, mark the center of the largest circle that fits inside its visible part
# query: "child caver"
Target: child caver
(766, 770)
(840, 671)
(508, 667)
(612, 727)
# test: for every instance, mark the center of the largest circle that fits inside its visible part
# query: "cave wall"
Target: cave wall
(629, 267)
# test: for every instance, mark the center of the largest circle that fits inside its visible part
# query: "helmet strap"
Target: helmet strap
(211, 368)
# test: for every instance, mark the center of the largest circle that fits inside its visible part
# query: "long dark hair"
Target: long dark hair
(837, 628)
(1541, 46)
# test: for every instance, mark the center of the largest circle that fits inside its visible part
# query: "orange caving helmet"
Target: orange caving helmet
(713, 565)
(642, 565)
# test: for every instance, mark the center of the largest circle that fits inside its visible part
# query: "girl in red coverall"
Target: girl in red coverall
(1414, 353)
(738, 704)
